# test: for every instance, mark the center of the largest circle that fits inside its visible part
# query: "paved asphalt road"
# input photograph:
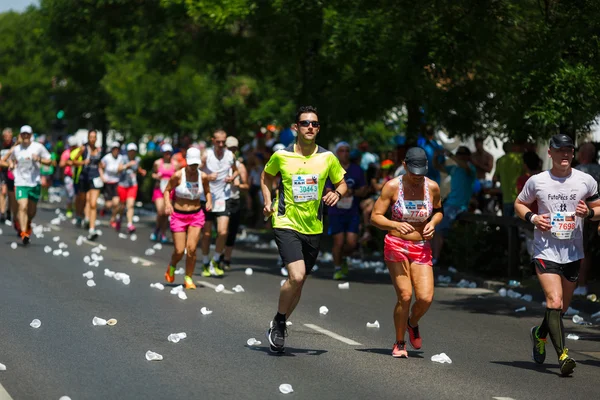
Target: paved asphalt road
(487, 341)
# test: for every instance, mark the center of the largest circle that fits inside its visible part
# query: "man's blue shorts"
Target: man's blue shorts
(343, 224)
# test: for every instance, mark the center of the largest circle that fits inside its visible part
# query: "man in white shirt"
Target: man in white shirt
(25, 159)
(217, 163)
(565, 198)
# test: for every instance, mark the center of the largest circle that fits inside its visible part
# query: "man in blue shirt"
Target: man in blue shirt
(433, 150)
(344, 217)
(462, 176)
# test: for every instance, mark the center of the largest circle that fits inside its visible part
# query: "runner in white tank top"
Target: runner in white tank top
(183, 202)
(217, 161)
(239, 183)
(565, 197)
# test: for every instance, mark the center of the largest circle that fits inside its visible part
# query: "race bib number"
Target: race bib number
(163, 184)
(98, 183)
(305, 188)
(563, 225)
(416, 211)
(219, 205)
(345, 203)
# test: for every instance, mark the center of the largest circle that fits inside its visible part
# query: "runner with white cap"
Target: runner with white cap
(183, 202)
(109, 172)
(24, 160)
(217, 162)
(162, 170)
(128, 184)
(239, 183)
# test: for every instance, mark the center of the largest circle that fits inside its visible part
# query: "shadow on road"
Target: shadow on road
(289, 352)
(528, 365)
(388, 351)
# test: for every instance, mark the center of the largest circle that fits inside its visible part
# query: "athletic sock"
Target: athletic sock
(555, 328)
(279, 317)
(542, 330)
(337, 268)
(205, 259)
(217, 257)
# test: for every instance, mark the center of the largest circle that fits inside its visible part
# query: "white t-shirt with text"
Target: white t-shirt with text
(558, 198)
(27, 172)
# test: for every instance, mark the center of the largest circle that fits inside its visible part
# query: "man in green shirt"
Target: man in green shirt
(298, 218)
(509, 168)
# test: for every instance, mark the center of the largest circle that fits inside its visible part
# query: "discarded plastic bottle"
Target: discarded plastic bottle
(36, 323)
(152, 356)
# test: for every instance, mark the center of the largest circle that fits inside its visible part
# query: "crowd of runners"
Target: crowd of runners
(198, 189)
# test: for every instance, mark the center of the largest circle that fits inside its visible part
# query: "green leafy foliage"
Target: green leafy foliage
(513, 68)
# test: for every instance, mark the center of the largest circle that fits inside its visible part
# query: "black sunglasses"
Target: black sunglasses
(306, 123)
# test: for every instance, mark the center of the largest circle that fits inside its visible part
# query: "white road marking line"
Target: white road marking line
(210, 285)
(333, 335)
(4, 394)
(503, 398)
(54, 228)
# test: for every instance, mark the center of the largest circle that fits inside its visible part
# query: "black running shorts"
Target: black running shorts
(295, 246)
(569, 271)
(110, 191)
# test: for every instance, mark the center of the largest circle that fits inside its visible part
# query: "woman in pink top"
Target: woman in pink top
(416, 210)
(163, 170)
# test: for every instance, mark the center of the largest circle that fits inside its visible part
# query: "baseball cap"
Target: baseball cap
(166, 148)
(278, 146)
(132, 147)
(231, 141)
(416, 161)
(340, 145)
(26, 129)
(115, 144)
(72, 141)
(558, 141)
(193, 156)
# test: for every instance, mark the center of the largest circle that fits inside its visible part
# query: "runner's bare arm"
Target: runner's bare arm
(382, 205)
(207, 192)
(592, 209)
(243, 172)
(155, 174)
(101, 170)
(171, 185)
(331, 198)
(523, 211)
(266, 183)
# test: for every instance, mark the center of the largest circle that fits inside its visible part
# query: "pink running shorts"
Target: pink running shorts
(181, 221)
(398, 250)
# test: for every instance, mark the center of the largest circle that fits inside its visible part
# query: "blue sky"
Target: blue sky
(15, 5)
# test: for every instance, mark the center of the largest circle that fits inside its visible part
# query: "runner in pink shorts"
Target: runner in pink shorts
(416, 210)
(182, 202)
(162, 171)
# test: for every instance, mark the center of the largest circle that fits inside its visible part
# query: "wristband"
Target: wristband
(591, 214)
(528, 216)
(339, 194)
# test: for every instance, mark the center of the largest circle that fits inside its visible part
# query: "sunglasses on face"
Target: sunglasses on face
(306, 123)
